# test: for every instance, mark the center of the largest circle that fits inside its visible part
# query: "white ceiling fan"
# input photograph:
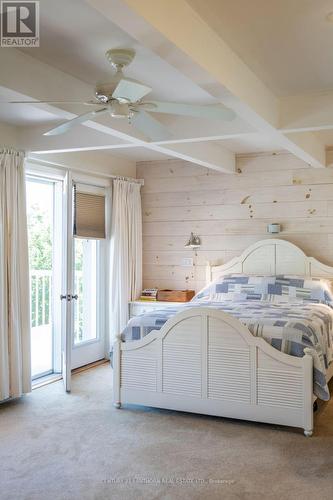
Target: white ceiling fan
(121, 97)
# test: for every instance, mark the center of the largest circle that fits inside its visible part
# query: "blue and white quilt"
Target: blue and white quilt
(288, 312)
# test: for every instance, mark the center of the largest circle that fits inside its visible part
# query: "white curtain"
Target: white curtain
(15, 364)
(126, 251)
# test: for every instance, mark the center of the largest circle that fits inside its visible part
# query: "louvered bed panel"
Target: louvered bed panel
(181, 354)
(229, 374)
(276, 388)
(228, 364)
(139, 369)
(278, 385)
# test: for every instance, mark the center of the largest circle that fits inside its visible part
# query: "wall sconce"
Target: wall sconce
(273, 228)
(193, 242)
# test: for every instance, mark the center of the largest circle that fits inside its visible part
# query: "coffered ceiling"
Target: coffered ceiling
(267, 61)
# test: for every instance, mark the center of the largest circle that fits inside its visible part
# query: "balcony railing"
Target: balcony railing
(40, 297)
(41, 320)
(41, 300)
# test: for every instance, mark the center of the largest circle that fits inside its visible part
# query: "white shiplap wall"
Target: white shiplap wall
(230, 212)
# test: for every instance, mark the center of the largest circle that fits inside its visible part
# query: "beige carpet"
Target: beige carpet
(55, 445)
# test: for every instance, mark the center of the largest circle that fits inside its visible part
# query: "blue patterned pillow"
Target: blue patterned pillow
(300, 289)
(236, 287)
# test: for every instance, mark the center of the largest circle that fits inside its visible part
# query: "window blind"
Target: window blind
(89, 215)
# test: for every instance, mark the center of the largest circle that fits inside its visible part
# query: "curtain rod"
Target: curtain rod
(84, 171)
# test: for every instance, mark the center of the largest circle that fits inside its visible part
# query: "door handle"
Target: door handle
(69, 297)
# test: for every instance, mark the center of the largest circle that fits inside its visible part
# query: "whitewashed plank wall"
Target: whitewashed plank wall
(230, 212)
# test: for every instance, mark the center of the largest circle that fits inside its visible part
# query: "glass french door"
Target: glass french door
(44, 195)
(84, 295)
(67, 281)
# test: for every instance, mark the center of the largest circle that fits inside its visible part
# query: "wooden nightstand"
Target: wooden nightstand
(141, 306)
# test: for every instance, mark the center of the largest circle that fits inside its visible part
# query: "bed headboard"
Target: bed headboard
(271, 257)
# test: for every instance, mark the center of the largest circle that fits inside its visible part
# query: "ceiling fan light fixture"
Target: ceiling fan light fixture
(104, 90)
(101, 97)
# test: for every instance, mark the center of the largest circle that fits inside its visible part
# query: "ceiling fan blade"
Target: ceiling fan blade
(150, 127)
(130, 90)
(213, 111)
(87, 103)
(79, 119)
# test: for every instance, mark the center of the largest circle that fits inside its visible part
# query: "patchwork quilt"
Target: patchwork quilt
(289, 313)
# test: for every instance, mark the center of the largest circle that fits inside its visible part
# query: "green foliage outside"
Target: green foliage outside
(40, 239)
(40, 259)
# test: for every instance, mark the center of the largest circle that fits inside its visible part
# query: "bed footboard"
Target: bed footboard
(205, 361)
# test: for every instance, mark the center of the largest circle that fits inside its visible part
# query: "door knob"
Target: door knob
(69, 297)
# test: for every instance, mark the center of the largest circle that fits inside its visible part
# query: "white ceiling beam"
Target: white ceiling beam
(190, 44)
(205, 138)
(202, 151)
(85, 138)
(208, 154)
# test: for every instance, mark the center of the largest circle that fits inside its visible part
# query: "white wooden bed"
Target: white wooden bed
(205, 361)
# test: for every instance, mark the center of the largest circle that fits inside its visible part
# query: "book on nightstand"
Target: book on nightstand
(149, 294)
